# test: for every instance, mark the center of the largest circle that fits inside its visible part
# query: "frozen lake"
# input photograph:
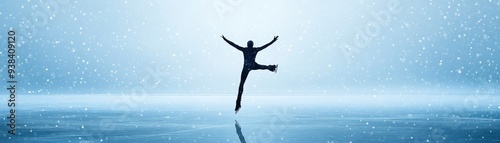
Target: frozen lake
(263, 118)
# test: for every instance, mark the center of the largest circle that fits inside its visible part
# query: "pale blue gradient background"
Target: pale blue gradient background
(158, 71)
(105, 47)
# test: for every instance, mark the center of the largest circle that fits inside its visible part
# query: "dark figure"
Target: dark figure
(238, 131)
(249, 54)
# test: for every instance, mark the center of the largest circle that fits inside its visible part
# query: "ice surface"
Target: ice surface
(263, 118)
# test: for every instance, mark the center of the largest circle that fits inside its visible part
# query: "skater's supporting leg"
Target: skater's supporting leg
(244, 75)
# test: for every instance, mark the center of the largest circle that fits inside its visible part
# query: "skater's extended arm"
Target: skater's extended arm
(268, 44)
(232, 44)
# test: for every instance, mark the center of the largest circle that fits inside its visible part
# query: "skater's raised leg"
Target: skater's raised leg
(265, 67)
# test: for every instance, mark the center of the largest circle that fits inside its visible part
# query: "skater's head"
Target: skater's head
(250, 44)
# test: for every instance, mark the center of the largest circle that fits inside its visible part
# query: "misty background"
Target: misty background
(325, 47)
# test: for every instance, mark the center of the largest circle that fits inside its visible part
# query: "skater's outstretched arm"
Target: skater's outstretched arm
(268, 44)
(232, 44)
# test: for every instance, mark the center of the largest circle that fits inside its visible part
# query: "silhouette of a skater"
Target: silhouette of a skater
(249, 54)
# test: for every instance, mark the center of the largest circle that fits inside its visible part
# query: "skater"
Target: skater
(249, 54)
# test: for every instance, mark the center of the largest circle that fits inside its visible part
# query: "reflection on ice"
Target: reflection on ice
(238, 131)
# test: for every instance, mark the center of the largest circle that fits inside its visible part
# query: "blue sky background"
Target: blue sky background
(174, 47)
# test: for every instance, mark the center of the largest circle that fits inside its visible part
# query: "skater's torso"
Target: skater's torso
(249, 54)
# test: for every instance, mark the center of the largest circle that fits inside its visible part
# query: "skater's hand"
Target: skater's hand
(275, 38)
(222, 36)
